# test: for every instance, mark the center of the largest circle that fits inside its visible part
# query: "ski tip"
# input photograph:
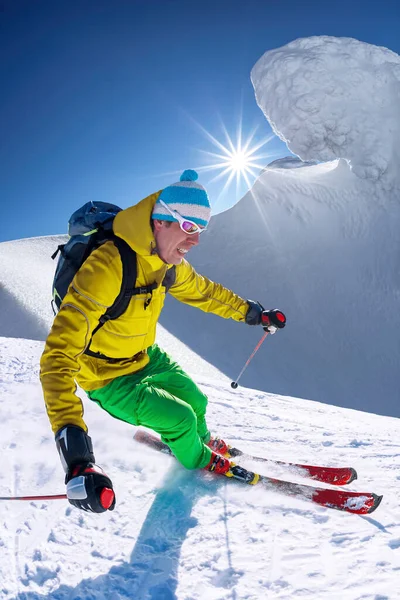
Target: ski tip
(353, 475)
(377, 501)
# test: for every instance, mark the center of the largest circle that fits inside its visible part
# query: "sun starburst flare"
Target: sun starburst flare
(240, 160)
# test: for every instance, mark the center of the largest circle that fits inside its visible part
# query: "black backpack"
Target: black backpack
(89, 227)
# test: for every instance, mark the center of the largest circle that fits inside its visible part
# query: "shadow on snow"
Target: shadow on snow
(152, 573)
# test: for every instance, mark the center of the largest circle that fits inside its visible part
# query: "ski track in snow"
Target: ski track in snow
(180, 534)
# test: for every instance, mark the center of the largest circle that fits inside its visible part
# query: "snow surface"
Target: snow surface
(175, 534)
(330, 97)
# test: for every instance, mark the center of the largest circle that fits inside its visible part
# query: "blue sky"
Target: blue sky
(109, 100)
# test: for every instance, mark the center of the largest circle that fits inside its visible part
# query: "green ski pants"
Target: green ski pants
(164, 398)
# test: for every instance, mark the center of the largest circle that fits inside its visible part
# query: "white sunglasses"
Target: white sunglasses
(188, 226)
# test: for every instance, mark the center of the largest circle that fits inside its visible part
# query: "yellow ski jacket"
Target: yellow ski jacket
(93, 290)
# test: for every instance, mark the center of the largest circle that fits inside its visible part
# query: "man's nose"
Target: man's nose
(195, 238)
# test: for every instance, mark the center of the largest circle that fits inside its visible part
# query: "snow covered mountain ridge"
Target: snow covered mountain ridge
(319, 242)
(330, 98)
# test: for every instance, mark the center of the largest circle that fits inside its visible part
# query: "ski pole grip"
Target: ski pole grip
(274, 319)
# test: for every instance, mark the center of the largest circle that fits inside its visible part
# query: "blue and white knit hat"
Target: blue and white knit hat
(187, 197)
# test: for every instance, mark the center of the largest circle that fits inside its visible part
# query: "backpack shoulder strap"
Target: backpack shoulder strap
(120, 304)
(129, 275)
(169, 278)
(127, 290)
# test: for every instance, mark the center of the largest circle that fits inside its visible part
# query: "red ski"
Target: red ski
(359, 503)
(332, 475)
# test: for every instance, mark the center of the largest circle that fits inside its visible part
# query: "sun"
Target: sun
(237, 160)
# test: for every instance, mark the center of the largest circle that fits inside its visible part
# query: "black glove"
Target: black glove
(253, 315)
(271, 320)
(88, 487)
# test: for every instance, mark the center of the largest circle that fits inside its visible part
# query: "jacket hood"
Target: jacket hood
(133, 225)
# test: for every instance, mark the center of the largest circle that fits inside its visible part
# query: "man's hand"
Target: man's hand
(253, 315)
(90, 489)
(271, 320)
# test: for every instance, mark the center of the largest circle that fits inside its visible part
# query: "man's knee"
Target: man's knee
(199, 404)
(185, 419)
(183, 438)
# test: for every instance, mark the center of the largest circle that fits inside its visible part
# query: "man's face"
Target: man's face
(173, 243)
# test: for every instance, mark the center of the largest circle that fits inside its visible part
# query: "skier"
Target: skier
(125, 372)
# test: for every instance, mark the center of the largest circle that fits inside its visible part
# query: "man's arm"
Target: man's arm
(196, 290)
(92, 291)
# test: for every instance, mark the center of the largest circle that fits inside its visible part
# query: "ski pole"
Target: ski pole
(234, 384)
(51, 497)
(106, 497)
(271, 320)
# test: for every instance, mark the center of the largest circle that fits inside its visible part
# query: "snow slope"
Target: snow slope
(177, 534)
(26, 276)
(310, 242)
